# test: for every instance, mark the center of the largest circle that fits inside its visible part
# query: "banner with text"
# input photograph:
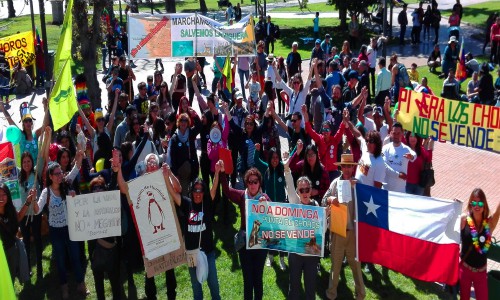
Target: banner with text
(94, 216)
(187, 34)
(286, 227)
(459, 122)
(19, 48)
(154, 215)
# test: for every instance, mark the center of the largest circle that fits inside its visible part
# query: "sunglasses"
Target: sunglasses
(252, 182)
(371, 141)
(249, 123)
(325, 129)
(293, 120)
(296, 82)
(304, 190)
(198, 191)
(27, 121)
(154, 110)
(100, 120)
(477, 203)
(183, 120)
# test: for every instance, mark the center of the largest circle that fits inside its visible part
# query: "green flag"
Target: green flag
(62, 104)
(228, 74)
(6, 287)
(64, 47)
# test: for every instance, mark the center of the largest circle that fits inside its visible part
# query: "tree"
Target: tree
(89, 41)
(355, 7)
(12, 11)
(203, 6)
(170, 6)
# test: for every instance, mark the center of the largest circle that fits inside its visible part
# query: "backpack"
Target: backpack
(277, 32)
(404, 79)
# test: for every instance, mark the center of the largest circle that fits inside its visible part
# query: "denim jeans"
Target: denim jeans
(244, 76)
(59, 237)
(414, 189)
(212, 281)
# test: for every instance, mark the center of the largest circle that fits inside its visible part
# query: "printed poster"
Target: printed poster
(154, 215)
(187, 34)
(288, 227)
(9, 173)
(94, 216)
(19, 47)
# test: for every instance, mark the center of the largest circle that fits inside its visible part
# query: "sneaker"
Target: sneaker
(282, 263)
(268, 261)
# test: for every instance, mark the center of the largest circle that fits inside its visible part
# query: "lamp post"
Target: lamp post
(41, 5)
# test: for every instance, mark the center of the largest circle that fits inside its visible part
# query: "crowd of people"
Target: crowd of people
(337, 121)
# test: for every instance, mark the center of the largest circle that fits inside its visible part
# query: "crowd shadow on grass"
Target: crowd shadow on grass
(431, 288)
(382, 285)
(224, 231)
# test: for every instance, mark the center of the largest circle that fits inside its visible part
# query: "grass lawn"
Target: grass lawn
(394, 286)
(314, 7)
(477, 14)
(181, 6)
(23, 23)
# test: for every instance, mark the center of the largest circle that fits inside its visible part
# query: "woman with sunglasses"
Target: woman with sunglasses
(311, 167)
(134, 130)
(30, 225)
(298, 263)
(252, 261)
(297, 93)
(29, 137)
(476, 229)
(327, 144)
(54, 196)
(164, 100)
(198, 228)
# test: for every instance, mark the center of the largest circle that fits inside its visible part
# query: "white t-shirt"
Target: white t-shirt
(376, 171)
(370, 125)
(271, 75)
(395, 162)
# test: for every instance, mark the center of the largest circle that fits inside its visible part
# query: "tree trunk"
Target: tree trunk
(203, 6)
(12, 11)
(170, 6)
(90, 39)
(343, 18)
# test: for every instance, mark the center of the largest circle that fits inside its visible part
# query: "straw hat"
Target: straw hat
(346, 159)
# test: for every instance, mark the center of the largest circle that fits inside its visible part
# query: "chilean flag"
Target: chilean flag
(414, 235)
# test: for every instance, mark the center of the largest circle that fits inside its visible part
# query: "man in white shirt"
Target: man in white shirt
(396, 157)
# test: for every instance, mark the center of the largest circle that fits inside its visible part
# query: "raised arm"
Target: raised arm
(167, 175)
(111, 120)
(7, 115)
(290, 185)
(387, 113)
(219, 167)
(86, 122)
(201, 101)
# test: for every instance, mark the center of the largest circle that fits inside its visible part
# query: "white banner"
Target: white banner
(93, 216)
(188, 34)
(154, 215)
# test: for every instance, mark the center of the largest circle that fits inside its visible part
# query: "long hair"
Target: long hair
(65, 135)
(317, 169)
(374, 137)
(60, 153)
(10, 210)
(63, 189)
(478, 192)
(24, 175)
(418, 145)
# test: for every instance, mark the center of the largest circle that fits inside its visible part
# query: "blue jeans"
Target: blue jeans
(414, 189)
(244, 76)
(212, 281)
(59, 237)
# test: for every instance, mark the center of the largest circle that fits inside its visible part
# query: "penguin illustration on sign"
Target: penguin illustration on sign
(155, 213)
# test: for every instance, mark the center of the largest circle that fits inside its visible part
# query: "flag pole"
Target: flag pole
(356, 223)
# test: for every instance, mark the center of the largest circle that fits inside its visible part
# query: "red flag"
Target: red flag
(461, 72)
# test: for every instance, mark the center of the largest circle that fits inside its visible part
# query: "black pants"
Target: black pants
(33, 227)
(114, 280)
(495, 52)
(281, 102)
(380, 98)
(308, 265)
(415, 34)
(190, 90)
(252, 266)
(436, 34)
(269, 41)
(402, 34)
(171, 282)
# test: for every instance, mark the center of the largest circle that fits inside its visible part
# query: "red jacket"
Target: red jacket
(327, 150)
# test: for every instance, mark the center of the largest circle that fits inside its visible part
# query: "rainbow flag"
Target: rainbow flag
(461, 71)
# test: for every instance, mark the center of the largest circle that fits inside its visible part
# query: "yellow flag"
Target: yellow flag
(62, 104)
(338, 219)
(64, 47)
(6, 287)
(228, 74)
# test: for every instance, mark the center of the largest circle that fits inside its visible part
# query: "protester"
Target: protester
(476, 229)
(301, 263)
(340, 246)
(415, 142)
(251, 260)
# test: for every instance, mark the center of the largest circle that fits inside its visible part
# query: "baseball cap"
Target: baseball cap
(318, 41)
(353, 75)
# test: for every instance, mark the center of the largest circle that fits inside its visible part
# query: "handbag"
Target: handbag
(103, 258)
(427, 176)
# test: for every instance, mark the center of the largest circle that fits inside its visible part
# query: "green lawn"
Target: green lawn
(22, 24)
(314, 7)
(477, 14)
(181, 6)
(395, 286)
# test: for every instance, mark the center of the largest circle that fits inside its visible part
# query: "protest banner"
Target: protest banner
(94, 216)
(154, 216)
(19, 48)
(9, 173)
(459, 122)
(286, 227)
(187, 34)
